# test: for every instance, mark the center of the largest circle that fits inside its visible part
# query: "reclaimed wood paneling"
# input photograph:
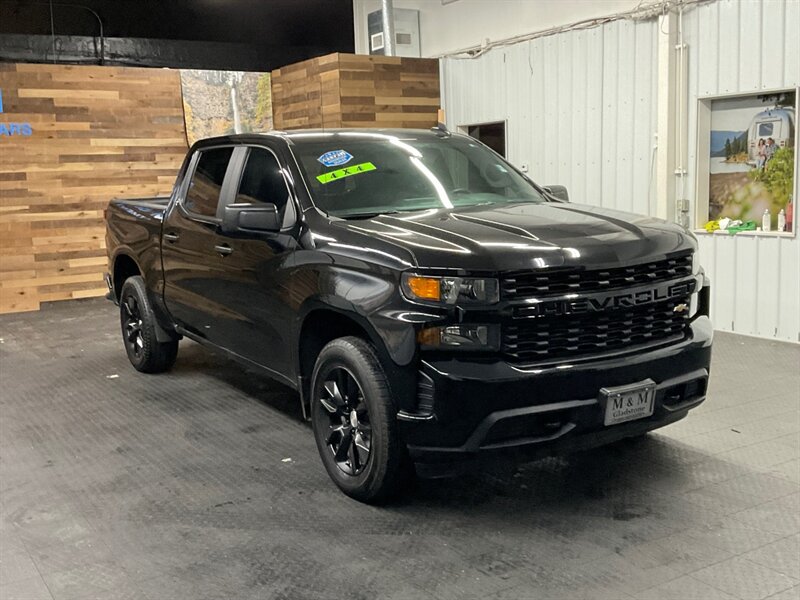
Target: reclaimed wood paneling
(96, 133)
(347, 90)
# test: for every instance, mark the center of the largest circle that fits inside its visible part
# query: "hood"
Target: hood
(524, 236)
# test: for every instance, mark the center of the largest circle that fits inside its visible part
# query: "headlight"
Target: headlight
(464, 336)
(694, 304)
(694, 300)
(700, 303)
(450, 290)
(695, 263)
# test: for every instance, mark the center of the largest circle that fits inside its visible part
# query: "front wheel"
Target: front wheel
(354, 422)
(138, 322)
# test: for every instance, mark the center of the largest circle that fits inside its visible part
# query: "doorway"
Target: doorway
(491, 134)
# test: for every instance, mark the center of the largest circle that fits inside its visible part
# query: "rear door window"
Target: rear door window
(202, 196)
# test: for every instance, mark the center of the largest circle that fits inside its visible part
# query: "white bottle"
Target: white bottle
(782, 221)
(766, 221)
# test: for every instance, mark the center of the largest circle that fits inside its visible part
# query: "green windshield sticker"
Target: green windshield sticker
(346, 172)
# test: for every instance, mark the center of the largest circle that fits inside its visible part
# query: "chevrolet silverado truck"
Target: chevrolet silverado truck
(430, 303)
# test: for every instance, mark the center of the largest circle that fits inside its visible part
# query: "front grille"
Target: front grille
(613, 329)
(547, 282)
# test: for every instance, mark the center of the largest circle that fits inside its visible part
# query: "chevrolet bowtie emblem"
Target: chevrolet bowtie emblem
(682, 307)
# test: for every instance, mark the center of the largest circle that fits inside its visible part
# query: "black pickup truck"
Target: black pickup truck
(429, 302)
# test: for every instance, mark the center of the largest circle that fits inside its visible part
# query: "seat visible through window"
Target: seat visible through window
(262, 180)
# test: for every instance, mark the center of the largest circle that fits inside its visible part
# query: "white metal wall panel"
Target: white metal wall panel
(773, 28)
(741, 47)
(791, 38)
(581, 110)
(592, 174)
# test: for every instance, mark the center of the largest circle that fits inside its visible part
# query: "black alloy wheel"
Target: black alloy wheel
(355, 422)
(132, 326)
(349, 434)
(140, 330)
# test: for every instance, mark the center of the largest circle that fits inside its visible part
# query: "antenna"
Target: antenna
(441, 130)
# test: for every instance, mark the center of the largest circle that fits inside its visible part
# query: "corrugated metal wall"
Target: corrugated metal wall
(742, 47)
(581, 110)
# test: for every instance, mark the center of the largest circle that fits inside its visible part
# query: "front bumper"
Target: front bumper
(479, 408)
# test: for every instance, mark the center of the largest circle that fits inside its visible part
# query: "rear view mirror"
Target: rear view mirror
(497, 175)
(558, 191)
(250, 217)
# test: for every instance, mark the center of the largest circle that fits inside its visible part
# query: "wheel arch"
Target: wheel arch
(323, 323)
(124, 266)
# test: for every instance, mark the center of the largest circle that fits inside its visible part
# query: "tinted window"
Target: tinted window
(353, 175)
(203, 194)
(262, 180)
(765, 129)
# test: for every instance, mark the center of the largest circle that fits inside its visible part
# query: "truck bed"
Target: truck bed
(133, 226)
(145, 207)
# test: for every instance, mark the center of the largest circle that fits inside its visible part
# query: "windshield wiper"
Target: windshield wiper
(370, 215)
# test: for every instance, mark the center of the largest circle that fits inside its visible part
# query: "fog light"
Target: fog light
(463, 336)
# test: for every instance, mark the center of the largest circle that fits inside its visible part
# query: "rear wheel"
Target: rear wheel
(138, 322)
(354, 425)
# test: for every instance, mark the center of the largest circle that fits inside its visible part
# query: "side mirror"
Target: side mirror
(250, 217)
(558, 191)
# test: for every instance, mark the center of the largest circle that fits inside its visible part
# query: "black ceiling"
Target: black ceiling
(322, 23)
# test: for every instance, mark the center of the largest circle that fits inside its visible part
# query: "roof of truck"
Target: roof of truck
(298, 135)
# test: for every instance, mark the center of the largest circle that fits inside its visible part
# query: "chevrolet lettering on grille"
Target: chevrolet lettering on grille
(600, 302)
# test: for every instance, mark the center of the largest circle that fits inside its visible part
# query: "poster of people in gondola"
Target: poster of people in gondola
(752, 158)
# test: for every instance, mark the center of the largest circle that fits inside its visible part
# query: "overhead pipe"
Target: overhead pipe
(387, 14)
(50, 4)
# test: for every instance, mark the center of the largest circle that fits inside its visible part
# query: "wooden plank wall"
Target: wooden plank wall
(96, 133)
(348, 90)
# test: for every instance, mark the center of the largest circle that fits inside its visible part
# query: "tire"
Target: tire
(138, 323)
(375, 466)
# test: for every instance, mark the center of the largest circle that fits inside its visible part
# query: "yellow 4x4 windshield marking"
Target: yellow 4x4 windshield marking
(346, 172)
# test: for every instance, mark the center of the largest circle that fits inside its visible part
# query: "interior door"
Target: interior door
(193, 265)
(258, 314)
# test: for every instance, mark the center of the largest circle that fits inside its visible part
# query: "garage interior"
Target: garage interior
(205, 482)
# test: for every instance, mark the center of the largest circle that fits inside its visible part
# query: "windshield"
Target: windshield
(356, 174)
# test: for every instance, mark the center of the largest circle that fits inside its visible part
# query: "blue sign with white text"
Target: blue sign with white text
(334, 158)
(9, 129)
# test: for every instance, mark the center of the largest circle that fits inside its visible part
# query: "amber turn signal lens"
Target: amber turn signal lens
(428, 336)
(425, 288)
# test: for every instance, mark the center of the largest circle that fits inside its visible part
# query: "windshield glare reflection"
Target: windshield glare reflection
(364, 174)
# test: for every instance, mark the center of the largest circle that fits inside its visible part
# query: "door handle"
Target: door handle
(171, 237)
(223, 249)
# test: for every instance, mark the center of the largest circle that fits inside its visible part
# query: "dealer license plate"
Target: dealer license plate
(629, 402)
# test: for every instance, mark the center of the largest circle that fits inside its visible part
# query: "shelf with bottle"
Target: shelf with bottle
(751, 233)
(780, 225)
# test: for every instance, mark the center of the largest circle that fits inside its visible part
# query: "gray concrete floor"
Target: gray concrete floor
(203, 483)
